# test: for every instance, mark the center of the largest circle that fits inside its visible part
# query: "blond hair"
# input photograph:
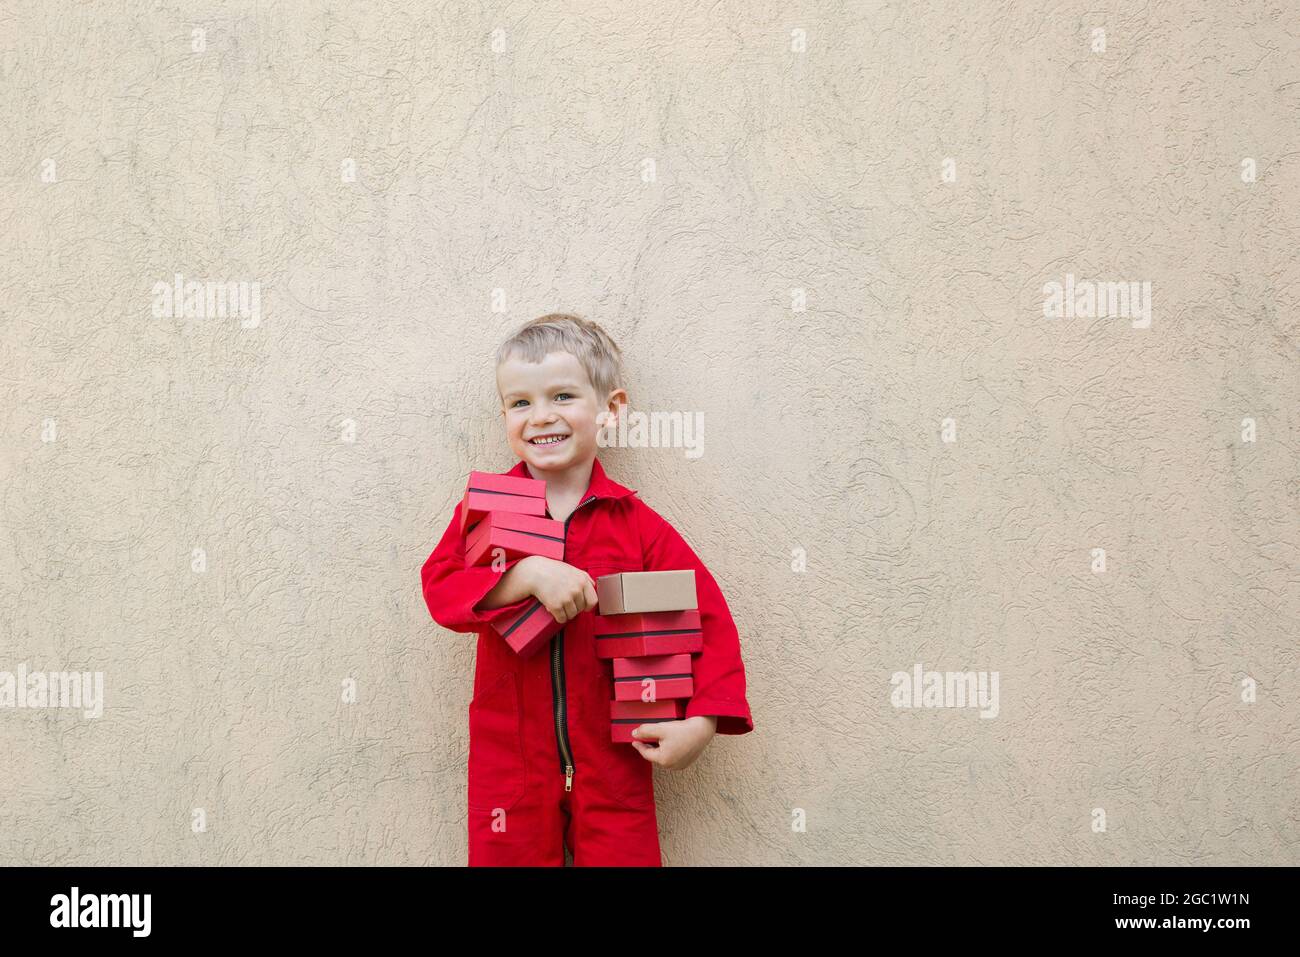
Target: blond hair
(581, 338)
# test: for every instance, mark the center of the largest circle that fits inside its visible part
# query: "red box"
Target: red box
(648, 633)
(516, 535)
(486, 492)
(626, 716)
(529, 630)
(671, 676)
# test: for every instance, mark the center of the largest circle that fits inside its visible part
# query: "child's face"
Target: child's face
(552, 398)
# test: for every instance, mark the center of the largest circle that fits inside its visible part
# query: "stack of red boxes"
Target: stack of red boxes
(648, 623)
(501, 516)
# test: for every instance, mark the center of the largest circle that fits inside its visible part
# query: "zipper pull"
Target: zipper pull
(568, 777)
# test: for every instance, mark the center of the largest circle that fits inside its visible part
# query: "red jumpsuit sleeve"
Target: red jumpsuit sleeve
(718, 669)
(452, 591)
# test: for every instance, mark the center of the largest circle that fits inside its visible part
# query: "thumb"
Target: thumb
(647, 732)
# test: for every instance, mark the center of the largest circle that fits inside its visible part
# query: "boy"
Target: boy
(542, 767)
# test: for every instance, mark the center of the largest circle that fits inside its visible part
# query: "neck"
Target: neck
(567, 483)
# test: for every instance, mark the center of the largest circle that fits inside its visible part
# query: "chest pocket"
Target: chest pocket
(610, 543)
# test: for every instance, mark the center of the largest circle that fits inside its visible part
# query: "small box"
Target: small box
(626, 716)
(642, 635)
(516, 535)
(659, 676)
(486, 492)
(631, 592)
(529, 630)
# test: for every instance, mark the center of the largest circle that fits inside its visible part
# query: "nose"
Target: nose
(541, 414)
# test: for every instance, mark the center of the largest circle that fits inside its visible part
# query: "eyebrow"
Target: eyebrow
(570, 386)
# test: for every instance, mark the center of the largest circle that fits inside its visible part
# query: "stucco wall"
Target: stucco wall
(130, 440)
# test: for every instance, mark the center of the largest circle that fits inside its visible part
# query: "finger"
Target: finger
(649, 752)
(571, 608)
(558, 613)
(647, 732)
(590, 592)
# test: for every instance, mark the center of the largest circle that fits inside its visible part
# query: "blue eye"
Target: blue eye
(564, 395)
(515, 404)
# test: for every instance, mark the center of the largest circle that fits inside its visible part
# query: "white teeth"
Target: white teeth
(549, 441)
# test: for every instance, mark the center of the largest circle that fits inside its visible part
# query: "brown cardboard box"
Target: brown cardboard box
(631, 592)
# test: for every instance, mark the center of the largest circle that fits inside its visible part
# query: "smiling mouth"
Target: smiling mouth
(548, 441)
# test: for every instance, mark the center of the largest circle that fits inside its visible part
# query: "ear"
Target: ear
(615, 403)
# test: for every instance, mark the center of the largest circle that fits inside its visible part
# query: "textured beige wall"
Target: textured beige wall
(129, 441)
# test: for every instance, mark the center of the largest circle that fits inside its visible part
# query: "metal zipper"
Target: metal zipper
(557, 685)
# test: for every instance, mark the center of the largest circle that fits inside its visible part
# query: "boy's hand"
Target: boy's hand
(565, 591)
(680, 742)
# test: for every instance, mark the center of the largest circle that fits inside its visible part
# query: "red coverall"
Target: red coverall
(542, 768)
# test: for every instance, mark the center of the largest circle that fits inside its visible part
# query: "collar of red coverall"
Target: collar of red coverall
(601, 485)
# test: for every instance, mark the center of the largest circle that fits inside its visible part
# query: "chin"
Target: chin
(549, 462)
(545, 460)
